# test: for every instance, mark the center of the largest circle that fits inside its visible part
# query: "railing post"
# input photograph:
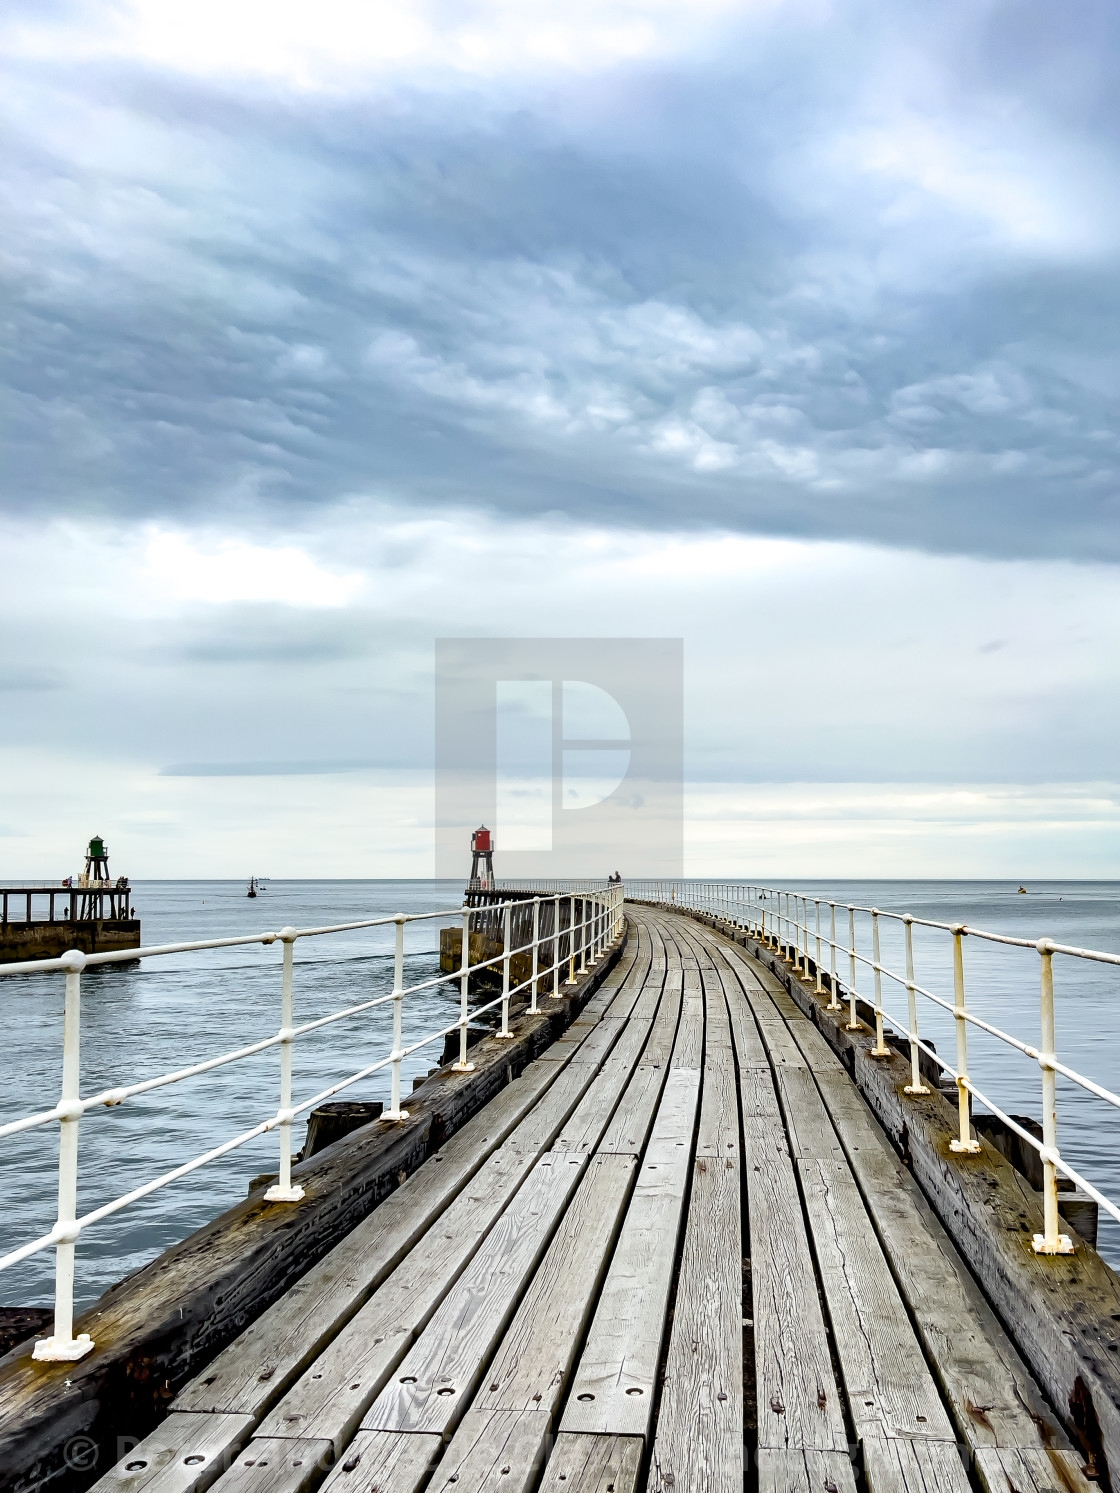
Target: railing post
(833, 998)
(820, 984)
(62, 1346)
(396, 1113)
(283, 1191)
(1051, 1241)
(915, 1086)
(783, 926)
(462, 1066)
(804, 935)
(571, 980)
(880, 1050)
(536, 952)
(791, 931)
(964, 1142)
(555, 971)
(853, 1022)
(505, 1031)
(583, 932)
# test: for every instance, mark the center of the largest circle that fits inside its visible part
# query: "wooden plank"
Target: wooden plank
(585, 1126)
(1030, 1470)
(652, 988)
(781, 1471)
(433, 1384)
(699, 1440)
(593, 1464)
(540, 1127)
(799, 1404)
(754, 975)
(646, 1006)
(633, 1036)
(533, 1362)
(596, 1007)
(688, 1049)
(278, 1465)
(256, 1368)
(781, 1049)
(589, 1044)
(717, 1022)
(759, 1097)
(383, 1462)
(626, 1134)
(891, 1393)
(913, 1466)
(614, 1382)
(992, 1396)
(636, 977)
(493, 1450)
(786, 1006)
(663, 1034)
(750, 1051)
(158, 1329)
(718, 1135)
(811, 1133)
(1058, 1309)
(338, 1387)
(990, 1392)
(182, 1455)
(816, 1051)
(622, 1006)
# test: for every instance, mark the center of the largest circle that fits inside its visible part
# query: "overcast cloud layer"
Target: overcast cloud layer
(841, 270)
(787, 327)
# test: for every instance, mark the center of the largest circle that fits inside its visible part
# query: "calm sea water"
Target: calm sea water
(141, 1020)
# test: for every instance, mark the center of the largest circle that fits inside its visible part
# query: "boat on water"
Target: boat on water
(1023, 890)
(255, 886)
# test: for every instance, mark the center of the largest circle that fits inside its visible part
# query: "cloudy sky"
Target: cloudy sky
(786, 327)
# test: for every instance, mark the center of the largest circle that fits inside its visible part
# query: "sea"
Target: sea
(163, 1013)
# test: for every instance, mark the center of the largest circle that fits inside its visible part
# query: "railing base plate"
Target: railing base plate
(1062, 1246)
(58, 1350)
(280, 1194)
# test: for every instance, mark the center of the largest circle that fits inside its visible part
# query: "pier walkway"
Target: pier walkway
(676, 1253)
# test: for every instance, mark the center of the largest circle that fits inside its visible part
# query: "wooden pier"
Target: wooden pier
(679, 1253)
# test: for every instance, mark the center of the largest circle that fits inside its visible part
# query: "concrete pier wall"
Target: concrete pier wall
(20, 941)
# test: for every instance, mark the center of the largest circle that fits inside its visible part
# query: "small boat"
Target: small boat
(1023, 890)
(254, 886)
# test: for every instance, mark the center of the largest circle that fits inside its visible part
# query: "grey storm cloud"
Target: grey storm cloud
(732, 293)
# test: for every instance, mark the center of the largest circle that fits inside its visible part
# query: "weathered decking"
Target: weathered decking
(693, 1262)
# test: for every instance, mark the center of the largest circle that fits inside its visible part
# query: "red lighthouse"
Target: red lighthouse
(482, 860)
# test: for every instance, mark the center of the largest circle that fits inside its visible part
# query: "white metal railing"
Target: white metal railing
(790, 923)
(552, 884)
(577, 943)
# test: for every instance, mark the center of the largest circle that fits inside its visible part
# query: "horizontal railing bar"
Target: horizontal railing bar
(47, 1241)
(600, 915)
(117, 1095)
(767, 901)
(270, 936)
(1101, 956)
